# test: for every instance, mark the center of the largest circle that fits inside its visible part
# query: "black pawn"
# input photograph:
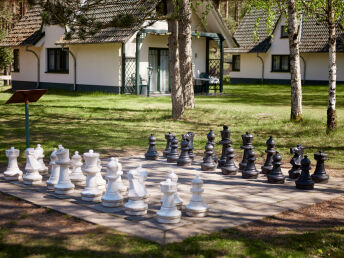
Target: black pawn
(190, 137)
(211, 139)
(184, 159)
(225, 141)
(247, 145)
(305, 181)
(267, 168)
(152, 154)
(208, 163)
(173, 156)
(320, 175)
(250, 171)
(295, 172)
(168, 137)
(229, 168)
(276, 176)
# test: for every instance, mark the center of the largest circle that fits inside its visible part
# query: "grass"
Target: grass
(111, 123)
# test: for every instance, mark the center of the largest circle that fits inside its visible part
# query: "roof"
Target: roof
(314, 36)
(27, 31)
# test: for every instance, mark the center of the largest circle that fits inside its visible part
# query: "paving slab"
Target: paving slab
(232, 200)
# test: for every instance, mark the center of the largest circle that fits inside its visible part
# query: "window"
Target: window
(15, 65)
(284, 32)
(236, 63)
(280, 64)
(58, 60)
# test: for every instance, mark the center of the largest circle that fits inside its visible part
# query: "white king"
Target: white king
(64, 185)
(112, 196)
(91, 191)
(168, 212)
(196, 207)
(32, 176)
(12, 172)
(77, 177)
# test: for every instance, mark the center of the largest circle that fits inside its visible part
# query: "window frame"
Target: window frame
(64, 60)
(284, 36)
(15, 63)
(234, 57)
(280, 64)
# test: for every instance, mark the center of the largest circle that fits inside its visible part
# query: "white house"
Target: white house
(267, 58)
(112, 59)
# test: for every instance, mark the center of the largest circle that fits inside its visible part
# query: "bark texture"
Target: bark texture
(185, 52)
(177, 93)
(295, 70)
(331, 109)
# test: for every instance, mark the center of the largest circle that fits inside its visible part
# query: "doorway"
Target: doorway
(158, 59)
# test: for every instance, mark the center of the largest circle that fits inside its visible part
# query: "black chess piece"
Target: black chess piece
(247, 145)
(295, 172)
(168, 137)
(184, 159)
(208, 163)
(173, 156)
(305, 181)
(225, 141)
(211, 139)
(270, 151)
(320, 175)
(152, 154)
(276, 176)
(190, 137)
(229, 168)
(250, 171)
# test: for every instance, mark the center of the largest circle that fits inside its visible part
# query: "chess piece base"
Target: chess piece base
(250, 175)
(152, 157)
(184, 163)
(192, 213)
(172, 159)
(50, 186)
(208, 167)
(266, 170)
(321, 179)
(136, 207)
(165, 153)
(276, 180)
(13, 178)
(168, 220)
(91, 198)
(63, 191)
(294, 174)
(305, 186)
(229, 170)
(113, 203)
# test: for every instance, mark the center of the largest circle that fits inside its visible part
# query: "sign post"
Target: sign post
(26, 96)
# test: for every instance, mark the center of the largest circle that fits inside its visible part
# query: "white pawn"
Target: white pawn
(196, 207)
(32, 176)
(64, 185)
(40, 155)
(91, 191)
(168, 212)
(12, 172)
(55, 170)
(77, 177)
(137, 192)
(112, 196)
(177, 200)
(100, 180)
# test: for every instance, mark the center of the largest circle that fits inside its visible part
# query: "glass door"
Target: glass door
(158, 59)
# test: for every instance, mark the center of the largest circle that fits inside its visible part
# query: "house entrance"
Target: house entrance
(158, 59)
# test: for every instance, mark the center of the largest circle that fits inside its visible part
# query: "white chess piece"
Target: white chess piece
(55, 170)
(32, 176)
(196, 207)
(168, 212)
(91, 191)
(12, 172)
(100, 180)
(77, 177)
(144, 174)
(40, 156)
(112, 196)
(177, 200)
(137, 191)
(64, 185)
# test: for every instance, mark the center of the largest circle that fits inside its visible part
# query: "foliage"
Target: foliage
(123, 21)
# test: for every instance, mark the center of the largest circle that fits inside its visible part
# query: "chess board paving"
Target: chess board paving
(232, 200)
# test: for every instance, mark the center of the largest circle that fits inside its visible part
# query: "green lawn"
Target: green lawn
(108, 123)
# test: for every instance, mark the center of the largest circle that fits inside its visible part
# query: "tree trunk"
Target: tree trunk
(237, 11)
(331, 109)
(176, 94)
(227, 9)
(6, 82)
(185, 53)
(295, 70)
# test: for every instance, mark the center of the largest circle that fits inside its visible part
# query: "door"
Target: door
(158, 59)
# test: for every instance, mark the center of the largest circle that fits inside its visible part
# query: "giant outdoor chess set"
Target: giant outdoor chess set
(170, 197)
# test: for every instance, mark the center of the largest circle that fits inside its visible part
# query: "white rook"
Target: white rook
(64, 185)
(91, 192)
(168, 212)
(55, 170)
(196, 207)
(32, 176)
(77, 177)
(112, 196)
(12, 172)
